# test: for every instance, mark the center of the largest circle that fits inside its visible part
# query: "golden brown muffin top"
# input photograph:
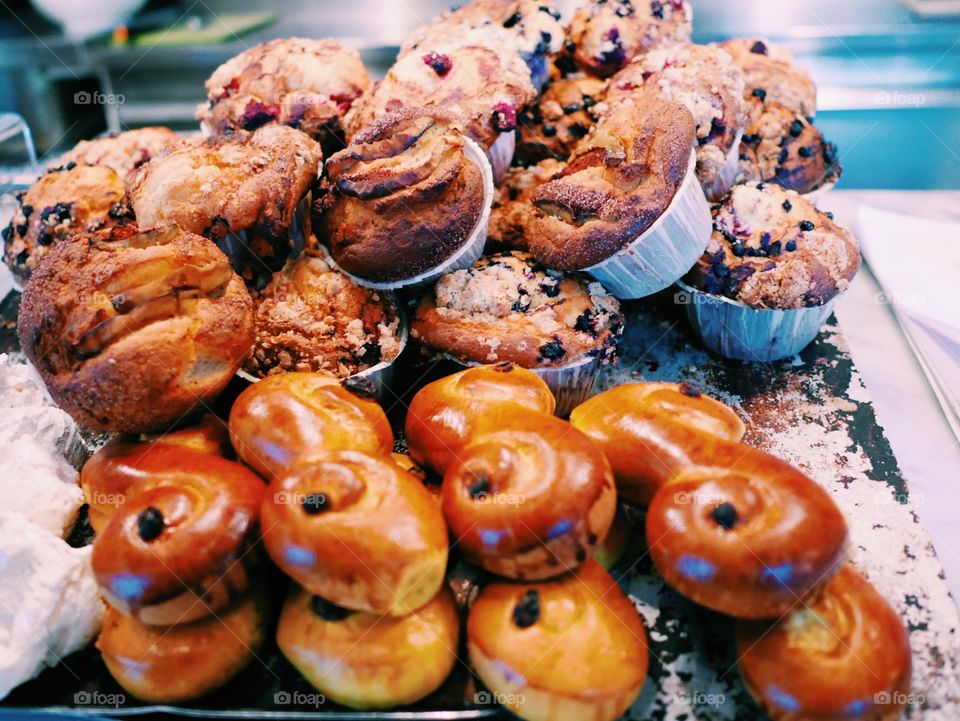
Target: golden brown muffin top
(554, 125)
(512, 210)
(510, 307)
(772, 76)
(311, 318)
(622, 178)
(304, 83)
(123, 152)
(772, 249)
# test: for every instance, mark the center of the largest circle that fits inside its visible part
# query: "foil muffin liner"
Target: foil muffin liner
(736, 330)
(666, 251)
(727, 177)
(500, 155)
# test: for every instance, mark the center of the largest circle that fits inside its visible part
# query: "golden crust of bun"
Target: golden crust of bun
(294, 418)
(845, 655)
(123, 152)
(512, 210)
(358, 530)
(567, 649)
(146, 558)
(172, 665)
(621, 179)
(652, 431)
(131, 331)
(365, 661)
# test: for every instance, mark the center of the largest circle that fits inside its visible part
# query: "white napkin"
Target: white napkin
(917, 263)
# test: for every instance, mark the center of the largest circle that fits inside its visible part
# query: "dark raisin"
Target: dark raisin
(751, 139)
(44, 238)
(552, 13)
(71, 165)
(588, 102)
(774, 249)
(527, 612)
(549, 131)
(371, 353)
(784, 154)
(328, 611)
(829, 215)
(577, 130)
(759, 48)
(760, 94)
(571, 108)
(690, 390)
(787, 205)
(551, 290)
(480, 488)
(656, 9)
(806, 152)
(22, 257)
(807, 226)
(552, 350)
(150, 523)
(27, 210)
(739, 250)
(761, 186)
(360, 386)
(583, 322)
(796, 127)
(21, 230)
(725, 516)
(791, 246)
(512, 20)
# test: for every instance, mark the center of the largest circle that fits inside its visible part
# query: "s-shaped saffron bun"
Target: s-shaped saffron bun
(568, 649)
(444, 414)
(749, 536)
(180, 547)
(293, 418)
(366, 661)
(844, 656)
(358, 530)
(530, 497)
(650, 431)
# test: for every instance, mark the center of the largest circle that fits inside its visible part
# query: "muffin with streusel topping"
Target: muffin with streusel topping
(512, 209)
(510, 307)
(771, 75)
(123, 152)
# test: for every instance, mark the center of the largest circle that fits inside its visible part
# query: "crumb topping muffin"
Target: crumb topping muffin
(480, 88)
(706, 81)
(123, 152)
(771, 76)
(311, 318)
(304, 83)
(65, 201)
(605, 35)
(512, 209)
(783, 147)
(402, 198)
(554, 125)
(772, 249)
(509, 307)
(621, 179)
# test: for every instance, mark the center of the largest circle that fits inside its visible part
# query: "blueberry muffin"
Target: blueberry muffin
(512, 210)
(771, 76)
(311, 318)
(773, 249)
(509, 307)
(605, 35)
(554, 125)
(304, 83)
(65, 201)
(123, 152)
(706, 81)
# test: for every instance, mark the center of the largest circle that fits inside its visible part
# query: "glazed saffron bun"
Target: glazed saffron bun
(146, 559)
(444, 415)
(621, 179)
(652, 431)
(401, 199)
(748, 535)
(293, 418)
(132, 331)
(123, 152)
(530, 496)
(568, 649)
(108, 474)
(365, 661)
(304, 83)
(845, 656)
(358, 530)
(176, 664)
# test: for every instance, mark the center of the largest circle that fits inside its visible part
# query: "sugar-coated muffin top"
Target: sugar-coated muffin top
(772, 249)
(123, 152)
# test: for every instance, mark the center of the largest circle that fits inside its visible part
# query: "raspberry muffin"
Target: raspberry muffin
(771, 75)
(512, 210)
(706, 81)
(65, 201)
(123, 152)
(304, 83)
(509, 307)
(605, 35)
(554, 125)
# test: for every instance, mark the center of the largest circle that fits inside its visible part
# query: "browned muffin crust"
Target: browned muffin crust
(512, 210)
(123, 152)
(311, 318)
(401, 198)
(620, 181)
(131, 331)
(67, 200)
(772, 249)
(772, 76)
(554, 125)
(509, 307)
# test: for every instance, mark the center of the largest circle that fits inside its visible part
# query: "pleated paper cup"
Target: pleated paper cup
(500, 155)
(666, 251)
(727, 177)
(736, 330)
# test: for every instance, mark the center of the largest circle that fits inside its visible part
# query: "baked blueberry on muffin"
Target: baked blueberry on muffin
(404, 199)
(706, 81)
(771, 75)
(773, 249)
(304, 83)
(123, 152)
(311, 317)
(553, 126)
(512, 210)
(605, 35)
(65, 201)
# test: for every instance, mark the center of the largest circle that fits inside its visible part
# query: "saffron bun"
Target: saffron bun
(358, 530)
(180, 547)
(293, 418)
(651, 431)
(567, 649)
(530, 496)
(844, 656)
(365, 661)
